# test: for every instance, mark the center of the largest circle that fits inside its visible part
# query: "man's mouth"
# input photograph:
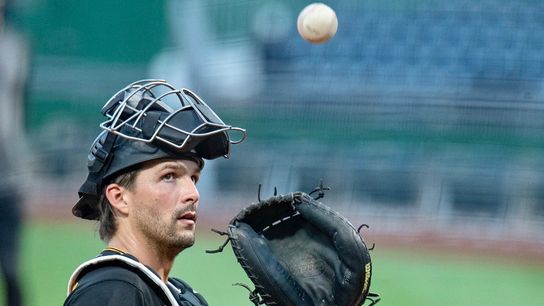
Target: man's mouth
(189, 216)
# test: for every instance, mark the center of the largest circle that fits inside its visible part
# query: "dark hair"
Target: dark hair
(107, 225)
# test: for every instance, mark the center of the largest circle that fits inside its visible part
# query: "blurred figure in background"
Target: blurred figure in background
(13, 76)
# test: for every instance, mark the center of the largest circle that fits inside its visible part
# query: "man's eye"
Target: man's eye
(168, 176)
(194, 178)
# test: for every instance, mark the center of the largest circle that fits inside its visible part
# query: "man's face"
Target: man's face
(164, 201)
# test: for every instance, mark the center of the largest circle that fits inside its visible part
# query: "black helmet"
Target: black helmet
(148, 120)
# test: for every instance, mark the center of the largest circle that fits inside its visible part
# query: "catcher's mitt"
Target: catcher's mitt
(299, 252)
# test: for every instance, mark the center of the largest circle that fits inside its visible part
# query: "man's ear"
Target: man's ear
(115, 195)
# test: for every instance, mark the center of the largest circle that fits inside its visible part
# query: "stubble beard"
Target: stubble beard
(165, 235)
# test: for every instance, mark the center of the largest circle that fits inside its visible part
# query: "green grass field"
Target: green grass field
(52, 250)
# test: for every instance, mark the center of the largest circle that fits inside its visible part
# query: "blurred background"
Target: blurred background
(425, 117)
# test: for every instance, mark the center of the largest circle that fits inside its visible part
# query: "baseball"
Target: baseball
(317, 23)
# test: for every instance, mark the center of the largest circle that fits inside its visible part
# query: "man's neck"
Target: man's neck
(158, 259)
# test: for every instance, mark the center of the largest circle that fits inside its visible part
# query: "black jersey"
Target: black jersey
(112, 280)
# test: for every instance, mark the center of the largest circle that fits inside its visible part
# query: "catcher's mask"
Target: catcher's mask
(148, 120)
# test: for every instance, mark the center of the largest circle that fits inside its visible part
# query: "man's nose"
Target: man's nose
(190, 193)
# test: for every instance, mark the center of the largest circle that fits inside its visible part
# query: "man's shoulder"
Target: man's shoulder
(111, 268)
(106, 279)
(109, 285)
(109, 273)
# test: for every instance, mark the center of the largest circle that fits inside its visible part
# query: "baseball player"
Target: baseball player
(142, 190)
